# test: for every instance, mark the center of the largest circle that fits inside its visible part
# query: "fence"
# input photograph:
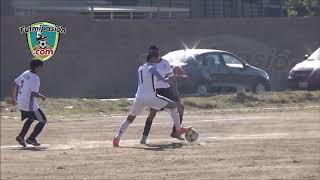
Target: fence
(144, 9)
(100, 9)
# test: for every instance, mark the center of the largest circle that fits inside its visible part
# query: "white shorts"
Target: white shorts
(156, 102)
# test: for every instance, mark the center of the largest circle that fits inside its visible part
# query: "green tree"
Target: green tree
(301, 8)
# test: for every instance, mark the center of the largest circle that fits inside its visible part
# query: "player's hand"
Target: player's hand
(43, 98)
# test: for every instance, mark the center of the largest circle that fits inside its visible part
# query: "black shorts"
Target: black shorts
(167, 92)
(34, 115)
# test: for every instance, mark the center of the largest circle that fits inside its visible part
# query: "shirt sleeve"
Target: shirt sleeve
(18, 80)
(169, 69)
(35, 85)
(153, 70)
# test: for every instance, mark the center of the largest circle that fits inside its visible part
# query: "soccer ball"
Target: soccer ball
(191, 135)
(43, 44)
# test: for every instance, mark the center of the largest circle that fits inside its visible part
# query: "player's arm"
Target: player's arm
(14, 88)
(153, 71)
(38, 95)
(35, 90)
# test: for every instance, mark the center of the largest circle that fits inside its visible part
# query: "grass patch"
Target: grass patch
(243, 100)
(61, 106)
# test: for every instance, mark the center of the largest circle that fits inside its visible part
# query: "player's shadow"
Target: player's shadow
(33, 148)
(160, 147)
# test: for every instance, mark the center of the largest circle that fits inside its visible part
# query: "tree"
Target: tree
(302, 8)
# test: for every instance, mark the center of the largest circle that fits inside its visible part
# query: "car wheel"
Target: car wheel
(202, 90)
(259, 87)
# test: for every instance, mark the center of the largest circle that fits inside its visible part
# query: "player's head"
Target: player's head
(36, 66)
(153, 54)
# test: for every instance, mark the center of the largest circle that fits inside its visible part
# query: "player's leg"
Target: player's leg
(180, 108)
(172, 106)
(25, 128)
(147, 126)
(160, 102)
(28, 116)
(23, 132)
(122, 129)
(136, 109)
(38, 128)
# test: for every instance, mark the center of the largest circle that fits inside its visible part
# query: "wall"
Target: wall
(100, 58)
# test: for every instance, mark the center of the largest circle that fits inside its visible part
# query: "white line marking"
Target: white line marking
(19, 146)
(97, 144)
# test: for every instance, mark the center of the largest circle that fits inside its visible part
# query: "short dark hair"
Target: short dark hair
(153, 48)
(153, 52)
(34, 64)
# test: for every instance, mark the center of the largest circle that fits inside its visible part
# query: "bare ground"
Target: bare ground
(252, 145)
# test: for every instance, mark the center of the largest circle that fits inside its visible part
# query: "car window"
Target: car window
(232, 61)
(315, 55)
(211, 60)
(179, 58)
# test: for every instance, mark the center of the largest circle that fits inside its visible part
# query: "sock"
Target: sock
(124, 125)
(176, 118)
(147, 127)
(174, 128)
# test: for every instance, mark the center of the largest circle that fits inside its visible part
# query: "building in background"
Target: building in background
(140, 9)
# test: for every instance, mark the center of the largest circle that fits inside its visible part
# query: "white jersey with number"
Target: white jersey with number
(147, 81)
(164, 68)
(146, 95)
(28, 82)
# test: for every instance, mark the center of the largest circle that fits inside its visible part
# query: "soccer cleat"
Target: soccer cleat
(180, 132)
(20, 140)
(33, 142)
(115, 142)
(143, 140)
(173, 135)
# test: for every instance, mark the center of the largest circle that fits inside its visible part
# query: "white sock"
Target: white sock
(176, 118)
(123, 127)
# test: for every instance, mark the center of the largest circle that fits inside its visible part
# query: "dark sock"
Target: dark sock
(147, 127)
(25, 128)
(37, 130)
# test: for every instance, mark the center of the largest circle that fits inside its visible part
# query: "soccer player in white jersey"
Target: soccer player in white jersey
(25, 90)
(166, 89)
(146, 96)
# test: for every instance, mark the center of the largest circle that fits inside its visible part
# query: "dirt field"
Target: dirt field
(256, 145)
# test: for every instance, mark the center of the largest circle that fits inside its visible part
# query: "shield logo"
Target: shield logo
(42, 40)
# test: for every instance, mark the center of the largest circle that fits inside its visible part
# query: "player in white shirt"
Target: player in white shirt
(166, 89)
(146, 96)
(25, 90)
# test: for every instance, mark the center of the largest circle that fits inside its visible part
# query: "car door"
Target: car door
(212, 69)
(236, 75)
